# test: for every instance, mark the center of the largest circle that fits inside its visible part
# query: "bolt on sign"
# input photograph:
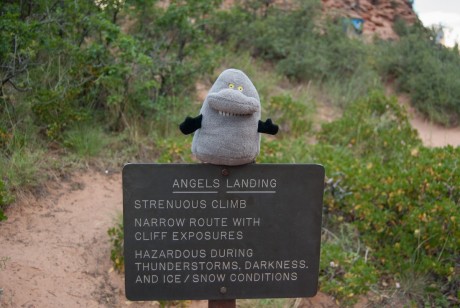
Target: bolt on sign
(198, 231)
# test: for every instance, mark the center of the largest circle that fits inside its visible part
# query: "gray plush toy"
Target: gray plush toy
(227, 129)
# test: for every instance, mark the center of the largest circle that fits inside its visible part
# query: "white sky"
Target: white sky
(444, 12)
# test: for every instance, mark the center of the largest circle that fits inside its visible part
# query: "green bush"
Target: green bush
(117, 252)
(400, 196)
(293, 117)
(372, 125)
(85, 141)
(284, 150)
(23, 168)
(174, 150)
(5, 200)
(85, 63)
(428, 71)
(55, 110)
(344, 269)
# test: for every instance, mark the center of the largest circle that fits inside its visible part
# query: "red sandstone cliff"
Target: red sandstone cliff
(378, 15)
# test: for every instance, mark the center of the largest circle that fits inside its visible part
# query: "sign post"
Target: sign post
(220, 233)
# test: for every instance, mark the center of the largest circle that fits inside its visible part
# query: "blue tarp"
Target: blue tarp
(355, 24)
(358, 24)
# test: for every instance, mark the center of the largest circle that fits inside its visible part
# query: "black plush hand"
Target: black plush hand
(267, 127)
(190, 124)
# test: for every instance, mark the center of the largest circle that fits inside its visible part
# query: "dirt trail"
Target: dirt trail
(58, 247)
(432, 135)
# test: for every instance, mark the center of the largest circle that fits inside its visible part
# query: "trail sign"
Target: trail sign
(197, 231)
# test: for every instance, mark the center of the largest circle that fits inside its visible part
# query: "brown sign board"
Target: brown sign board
(199, 231)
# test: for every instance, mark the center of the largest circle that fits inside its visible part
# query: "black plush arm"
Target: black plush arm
(190, 124)
(267, 127)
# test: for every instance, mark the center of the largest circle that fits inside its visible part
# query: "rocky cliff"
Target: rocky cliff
(378, 15)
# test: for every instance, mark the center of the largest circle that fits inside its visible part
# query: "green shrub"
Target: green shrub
(85, 141)
(117, 251)
(344, 269)
(428, 71)
(85, 64)
(400, 196)
(372, 125)
(56, 111)
(174, 150)
(5, 200)
(23, 168)
(293, 117)
(169, 113)
(284, 150)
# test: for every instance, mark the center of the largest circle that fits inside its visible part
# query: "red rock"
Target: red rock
(378, 18)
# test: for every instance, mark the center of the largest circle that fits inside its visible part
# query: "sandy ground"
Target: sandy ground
(432, 135)
(58, 247)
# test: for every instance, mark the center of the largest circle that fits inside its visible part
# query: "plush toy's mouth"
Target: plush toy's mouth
(233, 103)
(228, 114)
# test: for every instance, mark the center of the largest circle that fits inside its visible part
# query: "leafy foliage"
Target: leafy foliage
(369, 126)
(69, 66)
(426, 70)
(345, 270)
(174, 150)
(86, 141)
(116, 253)
(398, 194)
(76, 60)
(291, 115)
(5, 199)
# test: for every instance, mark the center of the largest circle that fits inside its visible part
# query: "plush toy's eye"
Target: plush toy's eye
(231, 85)
(240, 88)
